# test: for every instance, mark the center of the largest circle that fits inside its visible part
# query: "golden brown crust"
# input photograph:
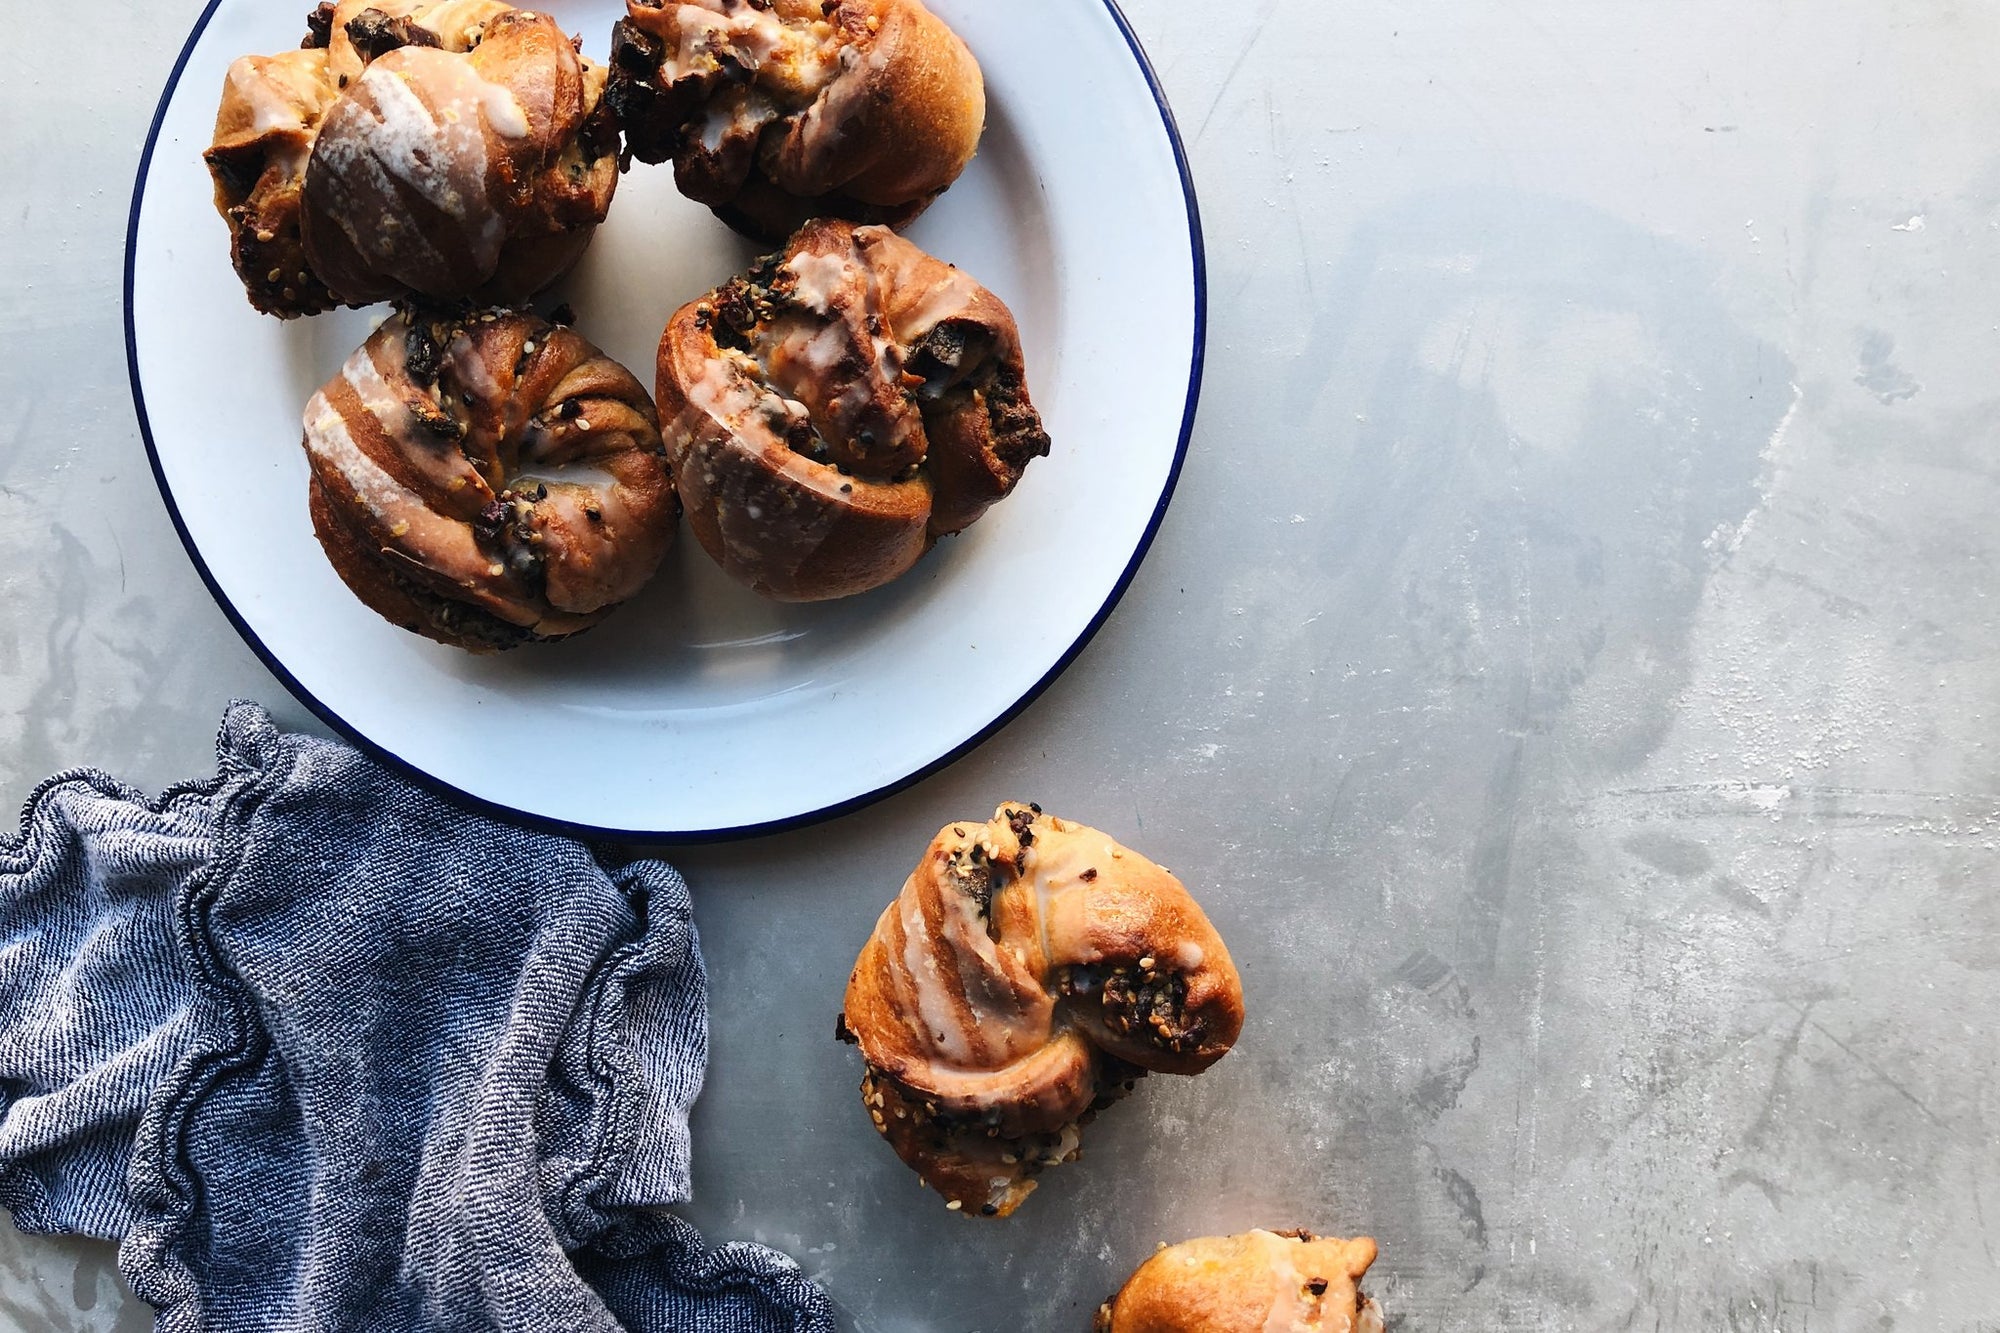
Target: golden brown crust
(833, 412)
(488, 480)
(1252, 1283)
(444, 148)
(1030, 969)
(776, 112)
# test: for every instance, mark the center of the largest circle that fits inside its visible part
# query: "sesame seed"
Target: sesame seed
(275, 275)
(266, 237)
(528, 348)
(401, 528)
(954, 1205)
(583, 423)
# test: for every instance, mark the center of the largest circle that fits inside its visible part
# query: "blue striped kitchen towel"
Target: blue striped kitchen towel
(328, 1053)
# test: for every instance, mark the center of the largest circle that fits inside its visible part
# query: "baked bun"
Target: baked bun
(439, 148)
(834, 411)
(776, 111)
(1029, 971)
(487, 480)
(1251, 1283)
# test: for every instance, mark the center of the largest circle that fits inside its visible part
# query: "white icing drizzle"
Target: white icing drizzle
(503, 112)
(738, 112)
(413, 526)
(376, 396)
(848, 85)
(419, 148)
(717, 124)
(805, 358)
(953, 982)
(385, 498)
(270, 108)
(942, 1030)
(1000, 1034)
(357, 174)
(585, 569)
(447, 469)
(1032, 869)
(441, 156)
(818, 351)
(471, 369)
(940, 301)
(724, 391)
(456, 22)
(817, 278)
(1288, 1283)
(700, 33)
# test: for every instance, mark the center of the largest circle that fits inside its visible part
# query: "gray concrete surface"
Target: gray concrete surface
(1568, 674)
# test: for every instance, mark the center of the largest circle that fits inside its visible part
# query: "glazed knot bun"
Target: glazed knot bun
(1029, 971)
(488, 480)
(438, 148)
(834, 411)
(1253, 1283)
(776, 111)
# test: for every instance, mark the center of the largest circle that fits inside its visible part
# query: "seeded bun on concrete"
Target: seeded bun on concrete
(1028, 973)
(1251, 1283)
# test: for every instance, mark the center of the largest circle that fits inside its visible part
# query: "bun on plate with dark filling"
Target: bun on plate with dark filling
(1030, 970)
(488, 479)
(776, 111)
(836, 410)
(1252, 1283)
(437, 148)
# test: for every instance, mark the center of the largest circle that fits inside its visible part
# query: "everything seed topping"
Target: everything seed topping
(1152, 1004)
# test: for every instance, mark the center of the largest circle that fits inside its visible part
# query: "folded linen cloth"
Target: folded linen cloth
(330, 1054)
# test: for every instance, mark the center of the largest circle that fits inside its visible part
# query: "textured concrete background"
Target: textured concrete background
(1567, 674)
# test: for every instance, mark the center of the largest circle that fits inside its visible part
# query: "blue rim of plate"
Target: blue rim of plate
(590, 832)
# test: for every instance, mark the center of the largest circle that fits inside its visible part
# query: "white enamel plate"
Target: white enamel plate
(698, 709)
